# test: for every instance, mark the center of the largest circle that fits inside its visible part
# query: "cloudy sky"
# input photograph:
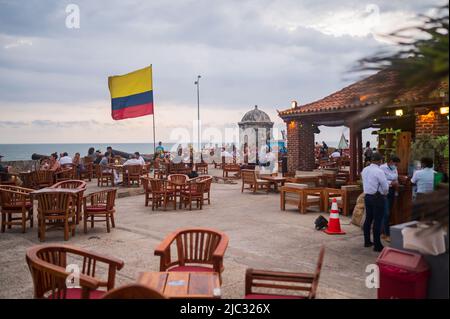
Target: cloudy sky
(53, 79)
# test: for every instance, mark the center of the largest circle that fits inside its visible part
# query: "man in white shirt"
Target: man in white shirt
(391, 173)
(139, 158)
(335, 154)
(132, 161)
(376, 187)
(65, 159)
(424, 178)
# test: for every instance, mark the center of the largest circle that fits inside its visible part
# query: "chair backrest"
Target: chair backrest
(53, 203)
(133, 291)
(47, 264)
(156, 185)
(28, 179)
(70, 184)
(105, 197)
(315, 282)
(198, 245)
(13, 196)
(43, 177)
(178, 178)
(248, 176)
(207, 180)
(133, 170)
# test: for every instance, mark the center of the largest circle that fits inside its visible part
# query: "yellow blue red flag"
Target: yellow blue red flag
(131, 94)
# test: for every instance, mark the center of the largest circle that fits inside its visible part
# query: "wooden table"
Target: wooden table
(183, 284)
(274, 180)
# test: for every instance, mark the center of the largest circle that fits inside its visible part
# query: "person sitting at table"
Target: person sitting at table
(91, 153)
(104, 165)
(424, 178)
(65, 159)
(52, 164)
(110, 151)
(4, 171)
(335, 154)
(132, 161)
(98, 157)
(139, 158)
(77, 162)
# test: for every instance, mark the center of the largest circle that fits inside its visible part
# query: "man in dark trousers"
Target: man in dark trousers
(375, 187)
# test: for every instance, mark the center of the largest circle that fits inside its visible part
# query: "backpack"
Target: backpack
(321, 223)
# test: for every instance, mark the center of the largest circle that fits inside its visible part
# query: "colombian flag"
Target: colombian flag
(131, 94)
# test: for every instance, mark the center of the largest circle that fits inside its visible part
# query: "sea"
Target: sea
(16, 152)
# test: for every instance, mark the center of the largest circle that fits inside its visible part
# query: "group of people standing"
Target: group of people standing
(380, 186)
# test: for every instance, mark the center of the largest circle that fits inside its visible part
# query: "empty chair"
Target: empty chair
(197, 249)
(15, 201)
(249, 178)
(67, 172)
(55, 210)
(100, 206)
(74, 184)
(207, 180)
(193, 192)
(47, 264)
(301, 282)
(162, 195)
(147, 190)
(133, 291)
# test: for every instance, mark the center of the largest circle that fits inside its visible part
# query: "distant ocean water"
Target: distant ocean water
(15, 152)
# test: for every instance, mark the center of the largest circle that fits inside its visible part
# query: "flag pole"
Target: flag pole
(154, 130)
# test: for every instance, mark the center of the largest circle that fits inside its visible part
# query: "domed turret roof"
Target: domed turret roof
(256, 115)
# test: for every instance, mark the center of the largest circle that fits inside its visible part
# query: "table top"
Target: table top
(183, 284)
(57, 190)
(273, 178)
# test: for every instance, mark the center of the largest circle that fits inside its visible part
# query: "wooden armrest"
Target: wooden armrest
(219, 252)
(98, 257)
(279, 275)
(165, 244)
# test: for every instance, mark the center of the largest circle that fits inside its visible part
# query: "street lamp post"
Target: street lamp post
(198, 111)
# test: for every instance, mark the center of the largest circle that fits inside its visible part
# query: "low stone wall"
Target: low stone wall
(20, 166)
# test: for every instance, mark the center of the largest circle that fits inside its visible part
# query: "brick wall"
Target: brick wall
(300, 140)
(431, 122)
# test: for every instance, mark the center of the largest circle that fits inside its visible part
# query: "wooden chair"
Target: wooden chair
(161, 194)
(301, 282)
(88, 172)
(207, 179)
(47, 264)
(231, 168)
(74, 184)
(100, 205)
(177, 183)
(249, 177)
(193, 192)
(196, 248)
(303, 197)
(54, 211)
(104, 176)
(15, 201)
(201, 168)
(133, 291)
(27, 180)
(67, 172)
(345, 198)
(43, 178)
(132, 175)
(147, 190)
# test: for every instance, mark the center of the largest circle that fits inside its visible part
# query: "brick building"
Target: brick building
(361, 105)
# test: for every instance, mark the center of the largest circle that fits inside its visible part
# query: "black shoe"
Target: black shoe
(378, 249)
(368, 244)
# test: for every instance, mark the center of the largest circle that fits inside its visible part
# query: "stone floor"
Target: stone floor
(261, 236)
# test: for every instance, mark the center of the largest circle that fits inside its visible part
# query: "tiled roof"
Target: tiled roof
(369, 91)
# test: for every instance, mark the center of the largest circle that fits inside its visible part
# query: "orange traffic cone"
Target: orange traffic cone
(334, 225)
